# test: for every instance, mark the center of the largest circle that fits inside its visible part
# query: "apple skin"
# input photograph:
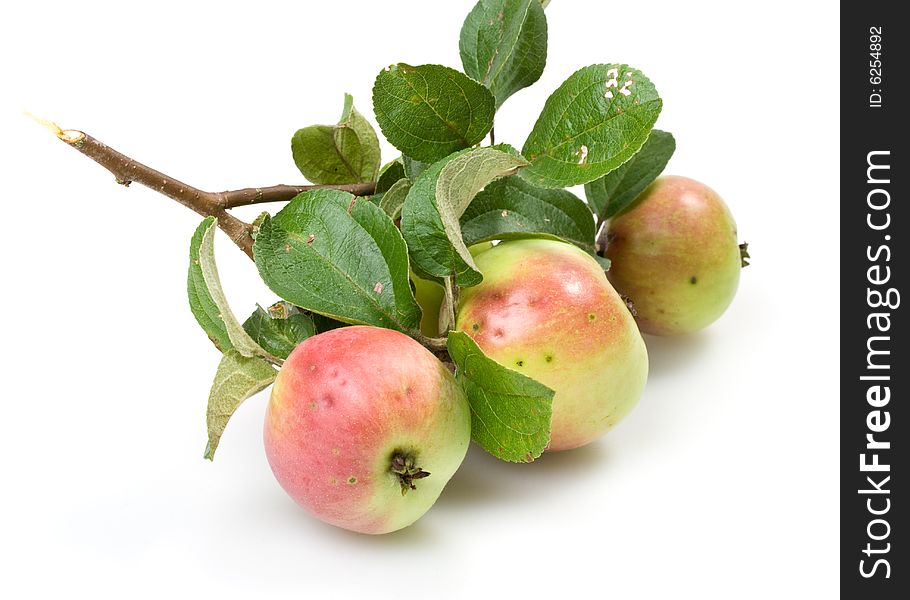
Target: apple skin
(545, 309)
(344, 404)
(430, 295)
(675, 254)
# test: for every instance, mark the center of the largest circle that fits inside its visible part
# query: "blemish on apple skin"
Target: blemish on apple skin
(693, 280)
(475, 327)
(352, 480)
(335, 451)
(548, 358)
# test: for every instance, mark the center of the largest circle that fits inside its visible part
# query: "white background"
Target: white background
(721, 484)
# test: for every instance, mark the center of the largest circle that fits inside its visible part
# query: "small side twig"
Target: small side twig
(282, 193)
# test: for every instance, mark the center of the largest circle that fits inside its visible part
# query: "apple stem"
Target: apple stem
(405, 466)
(451, 301)
(602, 240)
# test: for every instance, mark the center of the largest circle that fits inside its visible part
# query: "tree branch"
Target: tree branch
(281, 193)
(126, 171)
(208, 204)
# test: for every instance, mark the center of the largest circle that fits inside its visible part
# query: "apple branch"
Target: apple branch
(281, 193)
(208, 204)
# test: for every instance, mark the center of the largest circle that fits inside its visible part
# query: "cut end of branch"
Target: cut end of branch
(70, 136)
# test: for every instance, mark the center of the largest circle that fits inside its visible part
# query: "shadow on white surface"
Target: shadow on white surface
(300, 525)
(667, 355)
(485, 480)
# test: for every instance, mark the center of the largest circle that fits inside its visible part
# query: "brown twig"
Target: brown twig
(126, 171)
(281, 193)
(208, 204)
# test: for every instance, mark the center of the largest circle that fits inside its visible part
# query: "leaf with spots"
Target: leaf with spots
(238, 378)
(503, 45)
(431, 212)
(280, 328)
(208, 302)
(510, 413)
(594, 122)
(335, 154)
(513, 208)
(617, 190)
(331, 254)
(431, 111)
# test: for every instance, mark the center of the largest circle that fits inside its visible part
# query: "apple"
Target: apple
(676, 256)
(365, 427)
(546, 309)
(430, 295)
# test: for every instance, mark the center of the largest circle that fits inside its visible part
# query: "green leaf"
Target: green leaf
(207, 299)
(510, 413)
(513, 208)
(254, 226)
(324, 323)
(238, 377)
(334, 154)
(201, 304)
(594, 122)
(431, 111)
(413, 168)
(603, 261)
(279, 329)
(393, 200)
(503, 45)
(431, 212)
(331, 254)
(614, 192)
(389, 174)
